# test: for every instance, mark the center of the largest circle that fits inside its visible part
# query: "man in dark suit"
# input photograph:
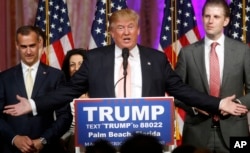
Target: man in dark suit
(201, 128)
(151, 75)
(28, 133)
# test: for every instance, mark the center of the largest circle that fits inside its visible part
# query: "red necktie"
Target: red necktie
(214, 86)
(214, 72)
(120, 85)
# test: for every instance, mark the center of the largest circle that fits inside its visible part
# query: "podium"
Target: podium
(116, 119)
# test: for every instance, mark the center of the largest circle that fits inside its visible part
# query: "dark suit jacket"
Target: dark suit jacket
(42, 125)
(96, 75)
(236, 80)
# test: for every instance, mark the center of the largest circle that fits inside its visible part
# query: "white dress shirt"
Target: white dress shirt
(135, 66)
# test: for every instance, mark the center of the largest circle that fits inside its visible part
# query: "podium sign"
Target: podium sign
(117, 119)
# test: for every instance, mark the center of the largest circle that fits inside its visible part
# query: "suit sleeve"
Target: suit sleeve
(181, 70)
(5, 129)
(63, 119)
(185, 93)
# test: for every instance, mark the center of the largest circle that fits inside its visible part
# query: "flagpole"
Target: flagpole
(243, 20)
(108, 11)
(173, 59)
(47, 30)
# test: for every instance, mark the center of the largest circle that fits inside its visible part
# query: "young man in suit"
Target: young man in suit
(28, 133)
(202, 128)
(151, 75)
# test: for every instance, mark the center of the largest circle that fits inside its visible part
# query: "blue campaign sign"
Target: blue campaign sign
(116, 119)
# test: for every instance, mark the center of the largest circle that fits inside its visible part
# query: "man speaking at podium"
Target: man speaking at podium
(148, 74)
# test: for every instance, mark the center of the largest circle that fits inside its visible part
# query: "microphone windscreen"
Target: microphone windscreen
(125, 53)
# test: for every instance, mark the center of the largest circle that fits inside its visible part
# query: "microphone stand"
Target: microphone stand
(125, 55)
(125, 80)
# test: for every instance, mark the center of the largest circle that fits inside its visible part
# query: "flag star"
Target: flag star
(55, 16)
(102, 11)
(179, 11)
(178, 21)
(188, 5)
(167, 28)
(60, 29)
(236, 25)
(57, 7)
(171, 9)
(240, 5)
(244, 28)
(104, 43)
(53, 26)
(105, 34)
(187, 14)
(100, 21)
(247, 9)
(246, 18)
(112, 4)
(63, 10)
(50, 3)
(98, 30)
(50, 35)
(238, 15)
(169, 18)
(38, 18)
(242, 38)
(185, 24)
(41, 8)
(119, 7)
(164, 37)
(61, 20)
(103, 2)
(235, 35)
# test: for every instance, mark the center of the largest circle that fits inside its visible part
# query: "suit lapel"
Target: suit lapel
(20, 80)
(228, 57)
(199, 58)
(41, 75)
(108, 66)
(146, 70)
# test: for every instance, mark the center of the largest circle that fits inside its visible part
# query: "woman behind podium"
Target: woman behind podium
(72, 62)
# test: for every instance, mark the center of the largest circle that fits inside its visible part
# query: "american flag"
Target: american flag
(178, 29)
(59, 33)
(99, 32)
(238, 27)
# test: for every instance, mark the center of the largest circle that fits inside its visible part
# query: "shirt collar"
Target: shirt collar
(26, 67)
(133, 52)
(208, 41)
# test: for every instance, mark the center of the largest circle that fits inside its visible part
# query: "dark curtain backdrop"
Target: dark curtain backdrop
(14, 13)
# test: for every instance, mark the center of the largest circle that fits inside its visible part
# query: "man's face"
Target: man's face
(125, 33)
(28, 47)
(214, 21)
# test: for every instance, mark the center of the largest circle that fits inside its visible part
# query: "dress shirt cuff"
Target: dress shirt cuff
(195, 111)
(12, 142)
(237, 101)
(33, 107)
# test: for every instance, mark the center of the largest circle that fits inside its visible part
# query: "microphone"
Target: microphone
(125, 55)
